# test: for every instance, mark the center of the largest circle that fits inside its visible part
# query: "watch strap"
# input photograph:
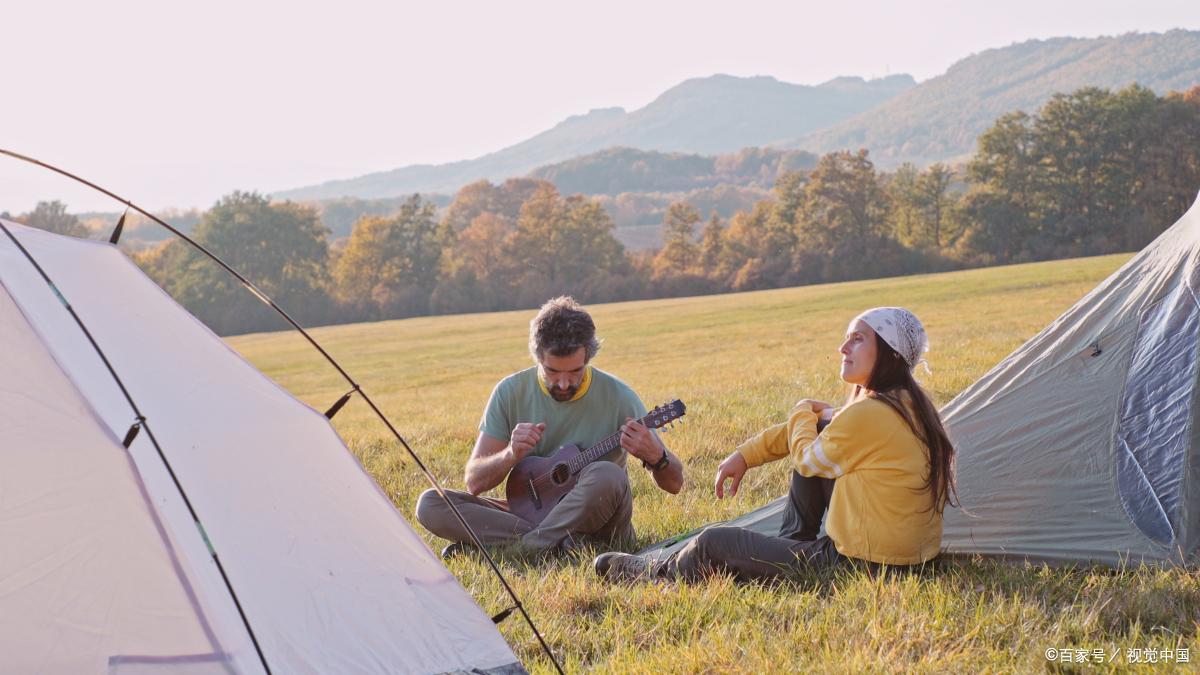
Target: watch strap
(662, 463)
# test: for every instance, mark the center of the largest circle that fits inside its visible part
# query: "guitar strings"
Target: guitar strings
(540, 480)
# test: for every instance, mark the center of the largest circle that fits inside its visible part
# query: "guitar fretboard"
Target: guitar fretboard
(611, 442)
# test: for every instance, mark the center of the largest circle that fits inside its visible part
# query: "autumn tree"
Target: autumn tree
(843, 201)
(711, 246)
(390, 265)
(676, 269)
(1168, 165)
(904, 201)
(504, 200)
(281, 248)
(941, 224)
(477, 272)
(744, 248)
(1087, 145)
(922, 208)
(843, 214)
(53, 217)
(679, 252)
(565, 246)
(1004, 205)
(1091, 172)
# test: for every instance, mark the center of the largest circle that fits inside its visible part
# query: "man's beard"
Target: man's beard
(563, 395)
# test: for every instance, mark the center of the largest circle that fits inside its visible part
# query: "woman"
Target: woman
(885, 451)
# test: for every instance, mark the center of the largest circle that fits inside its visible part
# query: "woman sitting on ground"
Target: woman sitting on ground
(885, 452)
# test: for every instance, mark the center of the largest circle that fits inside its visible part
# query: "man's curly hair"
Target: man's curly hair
(560, 328)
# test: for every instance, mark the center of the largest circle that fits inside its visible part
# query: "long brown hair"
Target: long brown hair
(890, 379)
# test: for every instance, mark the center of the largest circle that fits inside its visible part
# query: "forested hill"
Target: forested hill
(711, 115)
(620, 170)
(941, 118)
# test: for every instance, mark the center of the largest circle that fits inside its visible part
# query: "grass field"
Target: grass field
(739, 362)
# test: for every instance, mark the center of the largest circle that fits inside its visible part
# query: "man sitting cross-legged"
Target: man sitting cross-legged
(561, 400)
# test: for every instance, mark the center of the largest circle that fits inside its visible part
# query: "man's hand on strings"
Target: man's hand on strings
(524, 437)
(638, 441)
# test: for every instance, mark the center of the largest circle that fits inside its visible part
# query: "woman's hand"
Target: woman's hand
(817, 406)
(733, 467)
(824, 410)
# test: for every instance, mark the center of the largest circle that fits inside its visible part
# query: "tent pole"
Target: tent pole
(333, 362)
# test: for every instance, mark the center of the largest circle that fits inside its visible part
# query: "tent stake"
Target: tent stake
(333, 410)
(133, 432)
(116, 235)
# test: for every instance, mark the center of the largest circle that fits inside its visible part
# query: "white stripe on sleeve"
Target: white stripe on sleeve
(818, 452)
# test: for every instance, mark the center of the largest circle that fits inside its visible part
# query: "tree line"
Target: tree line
(1091, 172)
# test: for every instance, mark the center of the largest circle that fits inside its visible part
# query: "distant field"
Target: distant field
(739, 362)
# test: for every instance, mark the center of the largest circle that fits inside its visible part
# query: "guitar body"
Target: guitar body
(536, 484)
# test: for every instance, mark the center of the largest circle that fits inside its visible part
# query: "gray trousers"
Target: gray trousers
(600, 506)
(749, 555)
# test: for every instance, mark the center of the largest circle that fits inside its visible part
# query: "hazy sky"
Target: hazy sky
(175, 104)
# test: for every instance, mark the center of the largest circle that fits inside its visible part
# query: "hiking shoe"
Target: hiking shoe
(575, 547)
(622, 567)
(457, 548)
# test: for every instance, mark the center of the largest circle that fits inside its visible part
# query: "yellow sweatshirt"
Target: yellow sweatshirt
(880, 509)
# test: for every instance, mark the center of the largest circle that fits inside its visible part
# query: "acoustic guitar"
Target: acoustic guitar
(536, 484)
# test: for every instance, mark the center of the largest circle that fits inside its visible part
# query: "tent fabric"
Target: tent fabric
(88, 570)
(329, 575)
(1083, 444)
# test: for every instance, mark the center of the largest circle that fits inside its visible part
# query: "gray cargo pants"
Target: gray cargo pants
(599, 506)
(749, 555)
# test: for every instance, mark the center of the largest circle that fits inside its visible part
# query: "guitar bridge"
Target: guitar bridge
(537, 501)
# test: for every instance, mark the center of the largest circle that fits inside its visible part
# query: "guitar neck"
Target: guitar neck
(605, 446)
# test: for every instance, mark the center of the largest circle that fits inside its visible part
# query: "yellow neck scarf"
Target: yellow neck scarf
(583, 386)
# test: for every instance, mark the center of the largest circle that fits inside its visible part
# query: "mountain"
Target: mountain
(710, 115)
(940, 118)
(894, 117)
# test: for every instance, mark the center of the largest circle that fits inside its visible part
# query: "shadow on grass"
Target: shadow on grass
(1118, 601)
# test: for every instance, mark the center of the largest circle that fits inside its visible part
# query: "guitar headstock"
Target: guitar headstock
(665, 414)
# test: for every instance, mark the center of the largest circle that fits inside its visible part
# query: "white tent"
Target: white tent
(102, 568)
(1083, 445)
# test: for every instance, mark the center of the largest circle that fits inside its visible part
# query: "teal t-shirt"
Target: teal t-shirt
(584, 422)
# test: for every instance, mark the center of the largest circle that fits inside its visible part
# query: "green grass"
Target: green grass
(739, 362)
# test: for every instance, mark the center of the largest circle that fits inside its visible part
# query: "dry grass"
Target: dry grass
(739, 362)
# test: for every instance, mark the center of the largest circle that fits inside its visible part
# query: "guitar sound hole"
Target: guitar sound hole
(560, 474)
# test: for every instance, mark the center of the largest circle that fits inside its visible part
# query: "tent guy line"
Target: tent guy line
(356, 387)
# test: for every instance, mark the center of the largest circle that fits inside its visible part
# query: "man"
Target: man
(561, 400)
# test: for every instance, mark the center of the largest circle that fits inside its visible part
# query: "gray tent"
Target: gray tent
(1082, 445)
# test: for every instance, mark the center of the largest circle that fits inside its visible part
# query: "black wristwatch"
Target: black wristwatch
(661, 464)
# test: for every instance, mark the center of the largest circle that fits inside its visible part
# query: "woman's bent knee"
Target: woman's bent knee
(712, 544)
